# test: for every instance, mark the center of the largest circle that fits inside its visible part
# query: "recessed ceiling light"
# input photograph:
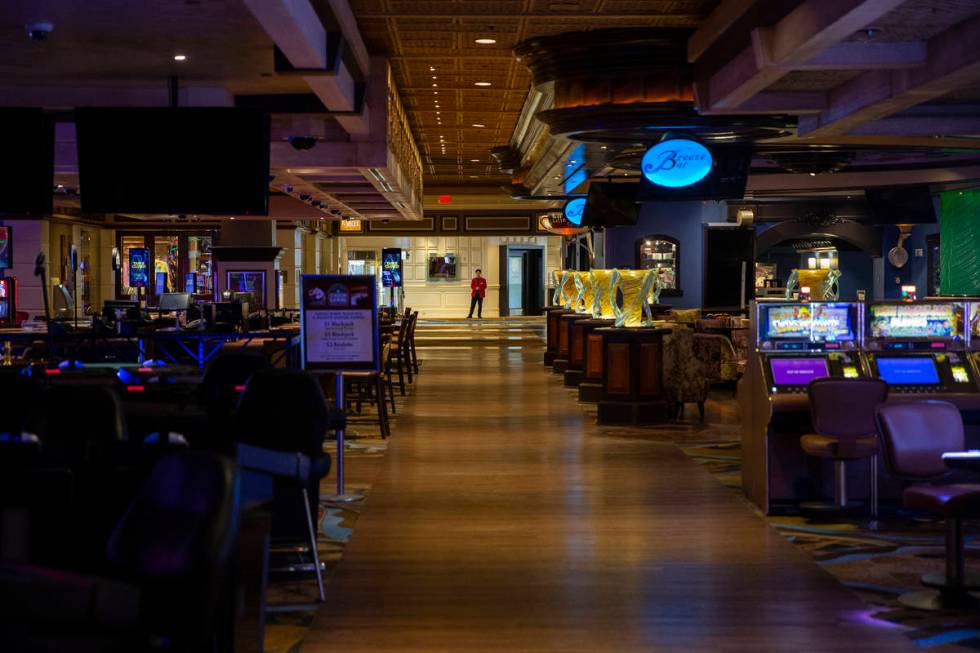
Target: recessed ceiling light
(435, 85)
(603, 147)
(482, 84)
(232, 218)
(431, 68)
(476, 124)
(813, 174)
(485, 41)
(434, 77)
(474, 160)
(180, 57)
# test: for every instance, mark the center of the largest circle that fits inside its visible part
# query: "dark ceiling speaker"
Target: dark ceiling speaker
(302, 142)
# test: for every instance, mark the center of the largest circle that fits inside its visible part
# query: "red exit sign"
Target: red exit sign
(445, 199)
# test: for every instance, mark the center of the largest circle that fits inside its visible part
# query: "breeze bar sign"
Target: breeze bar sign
(676, 163)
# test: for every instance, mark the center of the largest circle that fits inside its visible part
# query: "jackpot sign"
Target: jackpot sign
(676, 163)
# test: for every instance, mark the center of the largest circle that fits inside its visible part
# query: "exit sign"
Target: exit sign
(445, 199)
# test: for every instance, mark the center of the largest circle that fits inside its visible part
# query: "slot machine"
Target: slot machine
(920, 348)
(795, 343)
(8, 301)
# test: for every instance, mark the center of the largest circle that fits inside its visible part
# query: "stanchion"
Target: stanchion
(341, 496)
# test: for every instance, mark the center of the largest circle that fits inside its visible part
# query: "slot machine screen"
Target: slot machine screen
(914, 321)
(797, 371)
(908, 370)
(832, 323)
(787, 322)
(4, 299)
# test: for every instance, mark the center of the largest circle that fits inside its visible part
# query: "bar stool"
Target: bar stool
(844, 423)
(914, 437)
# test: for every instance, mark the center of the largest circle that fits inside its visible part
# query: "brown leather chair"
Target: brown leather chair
(844, 427)
(915, 435)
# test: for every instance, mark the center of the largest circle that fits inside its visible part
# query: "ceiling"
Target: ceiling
(432, 49)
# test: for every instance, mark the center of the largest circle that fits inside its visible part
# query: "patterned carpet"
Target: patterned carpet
(878, 564)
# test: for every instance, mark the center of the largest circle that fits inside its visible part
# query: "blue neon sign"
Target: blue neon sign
(676, 163)
(575, 174)
(573, 210)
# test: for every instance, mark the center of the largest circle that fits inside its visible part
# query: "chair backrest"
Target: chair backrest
(183, 521)
(176, 541)
(846, 407)
(80, 421)
(226, 377)
(412, 322)
(283, 410)
(916, 434)
(21, 400)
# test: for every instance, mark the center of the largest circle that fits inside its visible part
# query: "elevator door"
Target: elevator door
(515, 283)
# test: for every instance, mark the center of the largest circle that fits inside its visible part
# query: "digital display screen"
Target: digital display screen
(816, 322)
(6, 248)
(903, 321)
(248, 281)
(139, 270)
(797, 371)
(908, 371)
(788, 321)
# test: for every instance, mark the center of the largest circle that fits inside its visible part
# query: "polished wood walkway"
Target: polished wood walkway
(503, 519)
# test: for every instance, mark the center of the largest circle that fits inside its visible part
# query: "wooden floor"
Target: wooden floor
(503, 519)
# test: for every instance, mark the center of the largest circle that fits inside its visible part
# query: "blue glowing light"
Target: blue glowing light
(573, 210)
(676, 163)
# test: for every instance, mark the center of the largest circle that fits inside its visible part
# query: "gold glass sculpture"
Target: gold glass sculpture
(822, 284)
(584, 293)
(568, 290)
(635, 286)
(602, 307)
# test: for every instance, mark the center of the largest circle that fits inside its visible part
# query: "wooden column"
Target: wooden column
(632, 376)
(577, 349)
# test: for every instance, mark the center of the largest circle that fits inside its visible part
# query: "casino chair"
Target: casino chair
(915, 435)
(21, 400)
(281, 422)
(843, 417)
(165, 583)
(223, 384)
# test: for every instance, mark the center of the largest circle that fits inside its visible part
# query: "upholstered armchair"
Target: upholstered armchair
(685, 380)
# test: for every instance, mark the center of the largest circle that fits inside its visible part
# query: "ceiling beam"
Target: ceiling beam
(804, 33)
(862, 55)
(963, 125)
(715, 24)
(953, 62)
(464, 12)
(769, 102)
(295, 28)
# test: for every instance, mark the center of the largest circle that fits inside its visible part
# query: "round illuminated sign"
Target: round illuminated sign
(676, 163)
(573, 210)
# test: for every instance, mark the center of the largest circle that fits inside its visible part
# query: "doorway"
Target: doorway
(521, 280)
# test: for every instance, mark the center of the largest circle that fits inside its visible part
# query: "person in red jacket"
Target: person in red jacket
(478, 290)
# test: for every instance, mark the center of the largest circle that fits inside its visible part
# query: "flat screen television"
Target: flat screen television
(212, 160)
(726, 181)
(250, 282)
(797, 371)
(611, 205)
(919, 370)
(901, 205)
(6, 248)
(27, 164)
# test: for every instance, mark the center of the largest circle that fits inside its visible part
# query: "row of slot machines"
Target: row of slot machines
(921, 347)
(928, 349)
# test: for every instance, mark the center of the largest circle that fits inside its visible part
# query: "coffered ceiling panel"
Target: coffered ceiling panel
(438, 63)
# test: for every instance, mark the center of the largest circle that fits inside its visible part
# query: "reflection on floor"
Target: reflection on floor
(878, 564)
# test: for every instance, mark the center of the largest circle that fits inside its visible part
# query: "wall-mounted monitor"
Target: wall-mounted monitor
(6, 248)
(27, 164)
(251, 282)
(610, 204)
(212, 160)
(901, 205)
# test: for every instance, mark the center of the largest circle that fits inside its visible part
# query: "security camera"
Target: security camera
(39, 31)
(302, 142)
